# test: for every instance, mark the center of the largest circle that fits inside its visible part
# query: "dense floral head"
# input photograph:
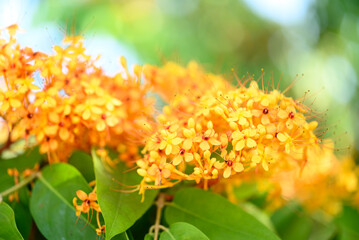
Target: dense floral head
(183, 87)
(192, 81)
(69, 103)
(230, 132)
(323, 184)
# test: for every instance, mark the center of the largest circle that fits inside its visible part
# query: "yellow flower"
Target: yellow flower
(243, 139)
(169, 142)
(106, 120)
(190, 138)
(88, 109)
(159, 172)
(287, 141)
(262, 155)
(209, 137)
(9, 100)
(292, 117)
(26, 84)
(182, 155)
(46, 98)
(232, 162)
(240, 115)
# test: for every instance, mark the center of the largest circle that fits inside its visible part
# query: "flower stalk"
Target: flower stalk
(21, 184)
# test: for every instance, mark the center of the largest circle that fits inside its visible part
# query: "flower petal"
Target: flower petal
(188, 157)
(265, 165)
(238, 167)
(256, 159)
(177, 141)
(251, 143)
(281, 137)
(177, 160)
(64, 134)
(166, 173)
(86, 114)
(214, 142)
(14, 103)
(187, 144)
(282, 114)
(242, 121)
(239, 146)
(204, 146)
(92, 196)
(81, 194)
(168, 149)
(100, 126)
(265, 120)
(227, 172)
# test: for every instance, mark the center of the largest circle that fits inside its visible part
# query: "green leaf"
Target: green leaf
(23, 218)
(149, 236)
(8, 228)
(258, 214)
(245, 191)
(348, 224)
(51, 203)
(21, 162)
(292, 223)
(123, 236)
(142, 225)
(215, 216)
(83, 162)
(325, 231)
(183, 231)
(120, 209)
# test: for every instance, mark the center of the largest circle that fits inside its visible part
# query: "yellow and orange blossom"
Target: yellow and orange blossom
(229, 132)
(69, 103)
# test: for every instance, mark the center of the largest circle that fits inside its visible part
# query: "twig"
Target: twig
(160, 204)
(16, 187)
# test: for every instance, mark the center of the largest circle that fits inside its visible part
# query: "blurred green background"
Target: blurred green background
(319, 39)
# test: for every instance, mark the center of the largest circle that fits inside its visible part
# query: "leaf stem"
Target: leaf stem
(21, 184)
(160, 204)
(167, 230)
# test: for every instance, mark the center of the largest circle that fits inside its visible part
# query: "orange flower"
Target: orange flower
(232, 162)
(159, 172)
(26, 85)
(245, 126)
(8, 101)
(244, 139)
(182, 155)
(89, 202)
(262, 155)
(170, 142)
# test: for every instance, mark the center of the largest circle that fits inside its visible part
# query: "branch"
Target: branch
(21, 184)
(160, 204)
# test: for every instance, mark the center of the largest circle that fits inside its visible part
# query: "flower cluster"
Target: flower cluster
(230, 132)
(210, 131)
(89, 203)
(215, 131)
(182, 87)
(323, 184)
(67, 102)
